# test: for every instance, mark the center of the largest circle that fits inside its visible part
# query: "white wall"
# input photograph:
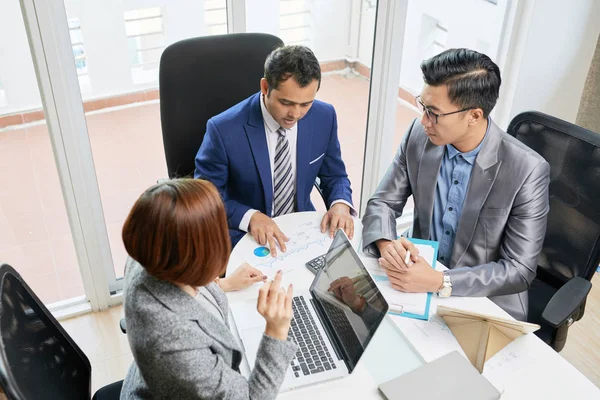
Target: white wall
(558, 50)
(16, 67)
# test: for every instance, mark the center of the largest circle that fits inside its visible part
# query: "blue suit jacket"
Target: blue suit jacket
(234, 156)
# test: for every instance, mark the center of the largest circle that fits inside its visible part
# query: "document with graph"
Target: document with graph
(412, 305)
(306, 242)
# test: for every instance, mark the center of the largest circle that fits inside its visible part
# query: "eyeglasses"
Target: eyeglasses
(433, 117)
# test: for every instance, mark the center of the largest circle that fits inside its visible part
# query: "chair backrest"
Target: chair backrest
(572, 243)
(200, 78)
(38, 359)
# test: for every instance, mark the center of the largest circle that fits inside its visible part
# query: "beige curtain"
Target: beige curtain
(589, 108)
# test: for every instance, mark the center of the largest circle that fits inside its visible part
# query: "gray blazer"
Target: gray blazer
(182, 351)
(501, 230)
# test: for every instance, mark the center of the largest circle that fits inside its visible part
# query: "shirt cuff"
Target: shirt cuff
(246, 219)
(352, 210)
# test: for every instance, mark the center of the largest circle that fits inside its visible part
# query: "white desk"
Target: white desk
(529, 369)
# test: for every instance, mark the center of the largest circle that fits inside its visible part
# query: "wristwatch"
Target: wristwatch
(446, 289)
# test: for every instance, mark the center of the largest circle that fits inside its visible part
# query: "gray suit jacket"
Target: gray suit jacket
(501, 230)
(182, 351)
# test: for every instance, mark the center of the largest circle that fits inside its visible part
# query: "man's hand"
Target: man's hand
(343, 289)
(265, 231)
(419, 277)
(338, 216)
(394, 252)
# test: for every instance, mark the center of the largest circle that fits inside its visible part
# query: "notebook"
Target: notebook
(449, 377)
(412, 305)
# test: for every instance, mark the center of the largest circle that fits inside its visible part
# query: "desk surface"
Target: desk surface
(528, 368)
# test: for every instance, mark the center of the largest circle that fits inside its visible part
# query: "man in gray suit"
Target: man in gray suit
(479, 192)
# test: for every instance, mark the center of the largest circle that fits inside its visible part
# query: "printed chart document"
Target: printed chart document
(412, 305)
(306, 242)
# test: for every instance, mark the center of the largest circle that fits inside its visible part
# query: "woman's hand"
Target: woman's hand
(275, 305)
(243, 277)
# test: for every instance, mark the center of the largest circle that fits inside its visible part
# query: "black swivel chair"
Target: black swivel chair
(200, 78)
(38, 359)
(571, 251)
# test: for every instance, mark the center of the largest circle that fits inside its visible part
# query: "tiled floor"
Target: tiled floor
(128, 153)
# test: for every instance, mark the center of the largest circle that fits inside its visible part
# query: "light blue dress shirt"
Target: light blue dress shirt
(452, 184)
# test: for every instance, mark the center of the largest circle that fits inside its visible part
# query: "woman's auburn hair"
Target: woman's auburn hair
(177, 230)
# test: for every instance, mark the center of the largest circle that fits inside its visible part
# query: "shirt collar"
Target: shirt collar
(471, 155)
(271, 124)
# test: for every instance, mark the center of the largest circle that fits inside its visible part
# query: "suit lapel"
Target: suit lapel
(188, 308)
(429, 169)
(303, 141)
(255, 131)
(481, 182)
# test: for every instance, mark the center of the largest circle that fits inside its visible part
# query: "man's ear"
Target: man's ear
(476, 116)
(264, 86)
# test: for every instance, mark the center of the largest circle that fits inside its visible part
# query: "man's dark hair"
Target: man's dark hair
(472, 78)
(292, 61)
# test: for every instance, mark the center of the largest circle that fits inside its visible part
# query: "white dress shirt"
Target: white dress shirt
(271, 127)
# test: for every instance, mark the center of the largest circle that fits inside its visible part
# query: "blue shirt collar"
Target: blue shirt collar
(471, 155)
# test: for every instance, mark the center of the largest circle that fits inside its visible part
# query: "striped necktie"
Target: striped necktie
(283, 185)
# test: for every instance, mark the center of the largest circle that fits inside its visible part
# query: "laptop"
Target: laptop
(331, 328)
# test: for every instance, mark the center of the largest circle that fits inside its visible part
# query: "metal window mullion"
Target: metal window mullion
(51, 49)
(390, 23)
(236, 16)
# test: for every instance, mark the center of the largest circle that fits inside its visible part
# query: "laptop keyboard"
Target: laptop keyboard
(312, 356)
(316, 263)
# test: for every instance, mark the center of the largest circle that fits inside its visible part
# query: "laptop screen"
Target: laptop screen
(350, 303)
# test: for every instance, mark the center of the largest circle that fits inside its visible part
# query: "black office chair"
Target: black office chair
(200, 78)
(38, 359)
(571, 251)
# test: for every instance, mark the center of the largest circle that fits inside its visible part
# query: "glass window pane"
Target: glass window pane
(35, 235)
(294, 20)
(217, 30)
(150, 56)
(150, 41)
(215, 17)
(293, 6)
(295, 35)
(124, 127)
(76, 36)
(142, 13)
(143, 26)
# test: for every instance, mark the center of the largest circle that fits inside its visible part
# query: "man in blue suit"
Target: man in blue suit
(264, 153)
